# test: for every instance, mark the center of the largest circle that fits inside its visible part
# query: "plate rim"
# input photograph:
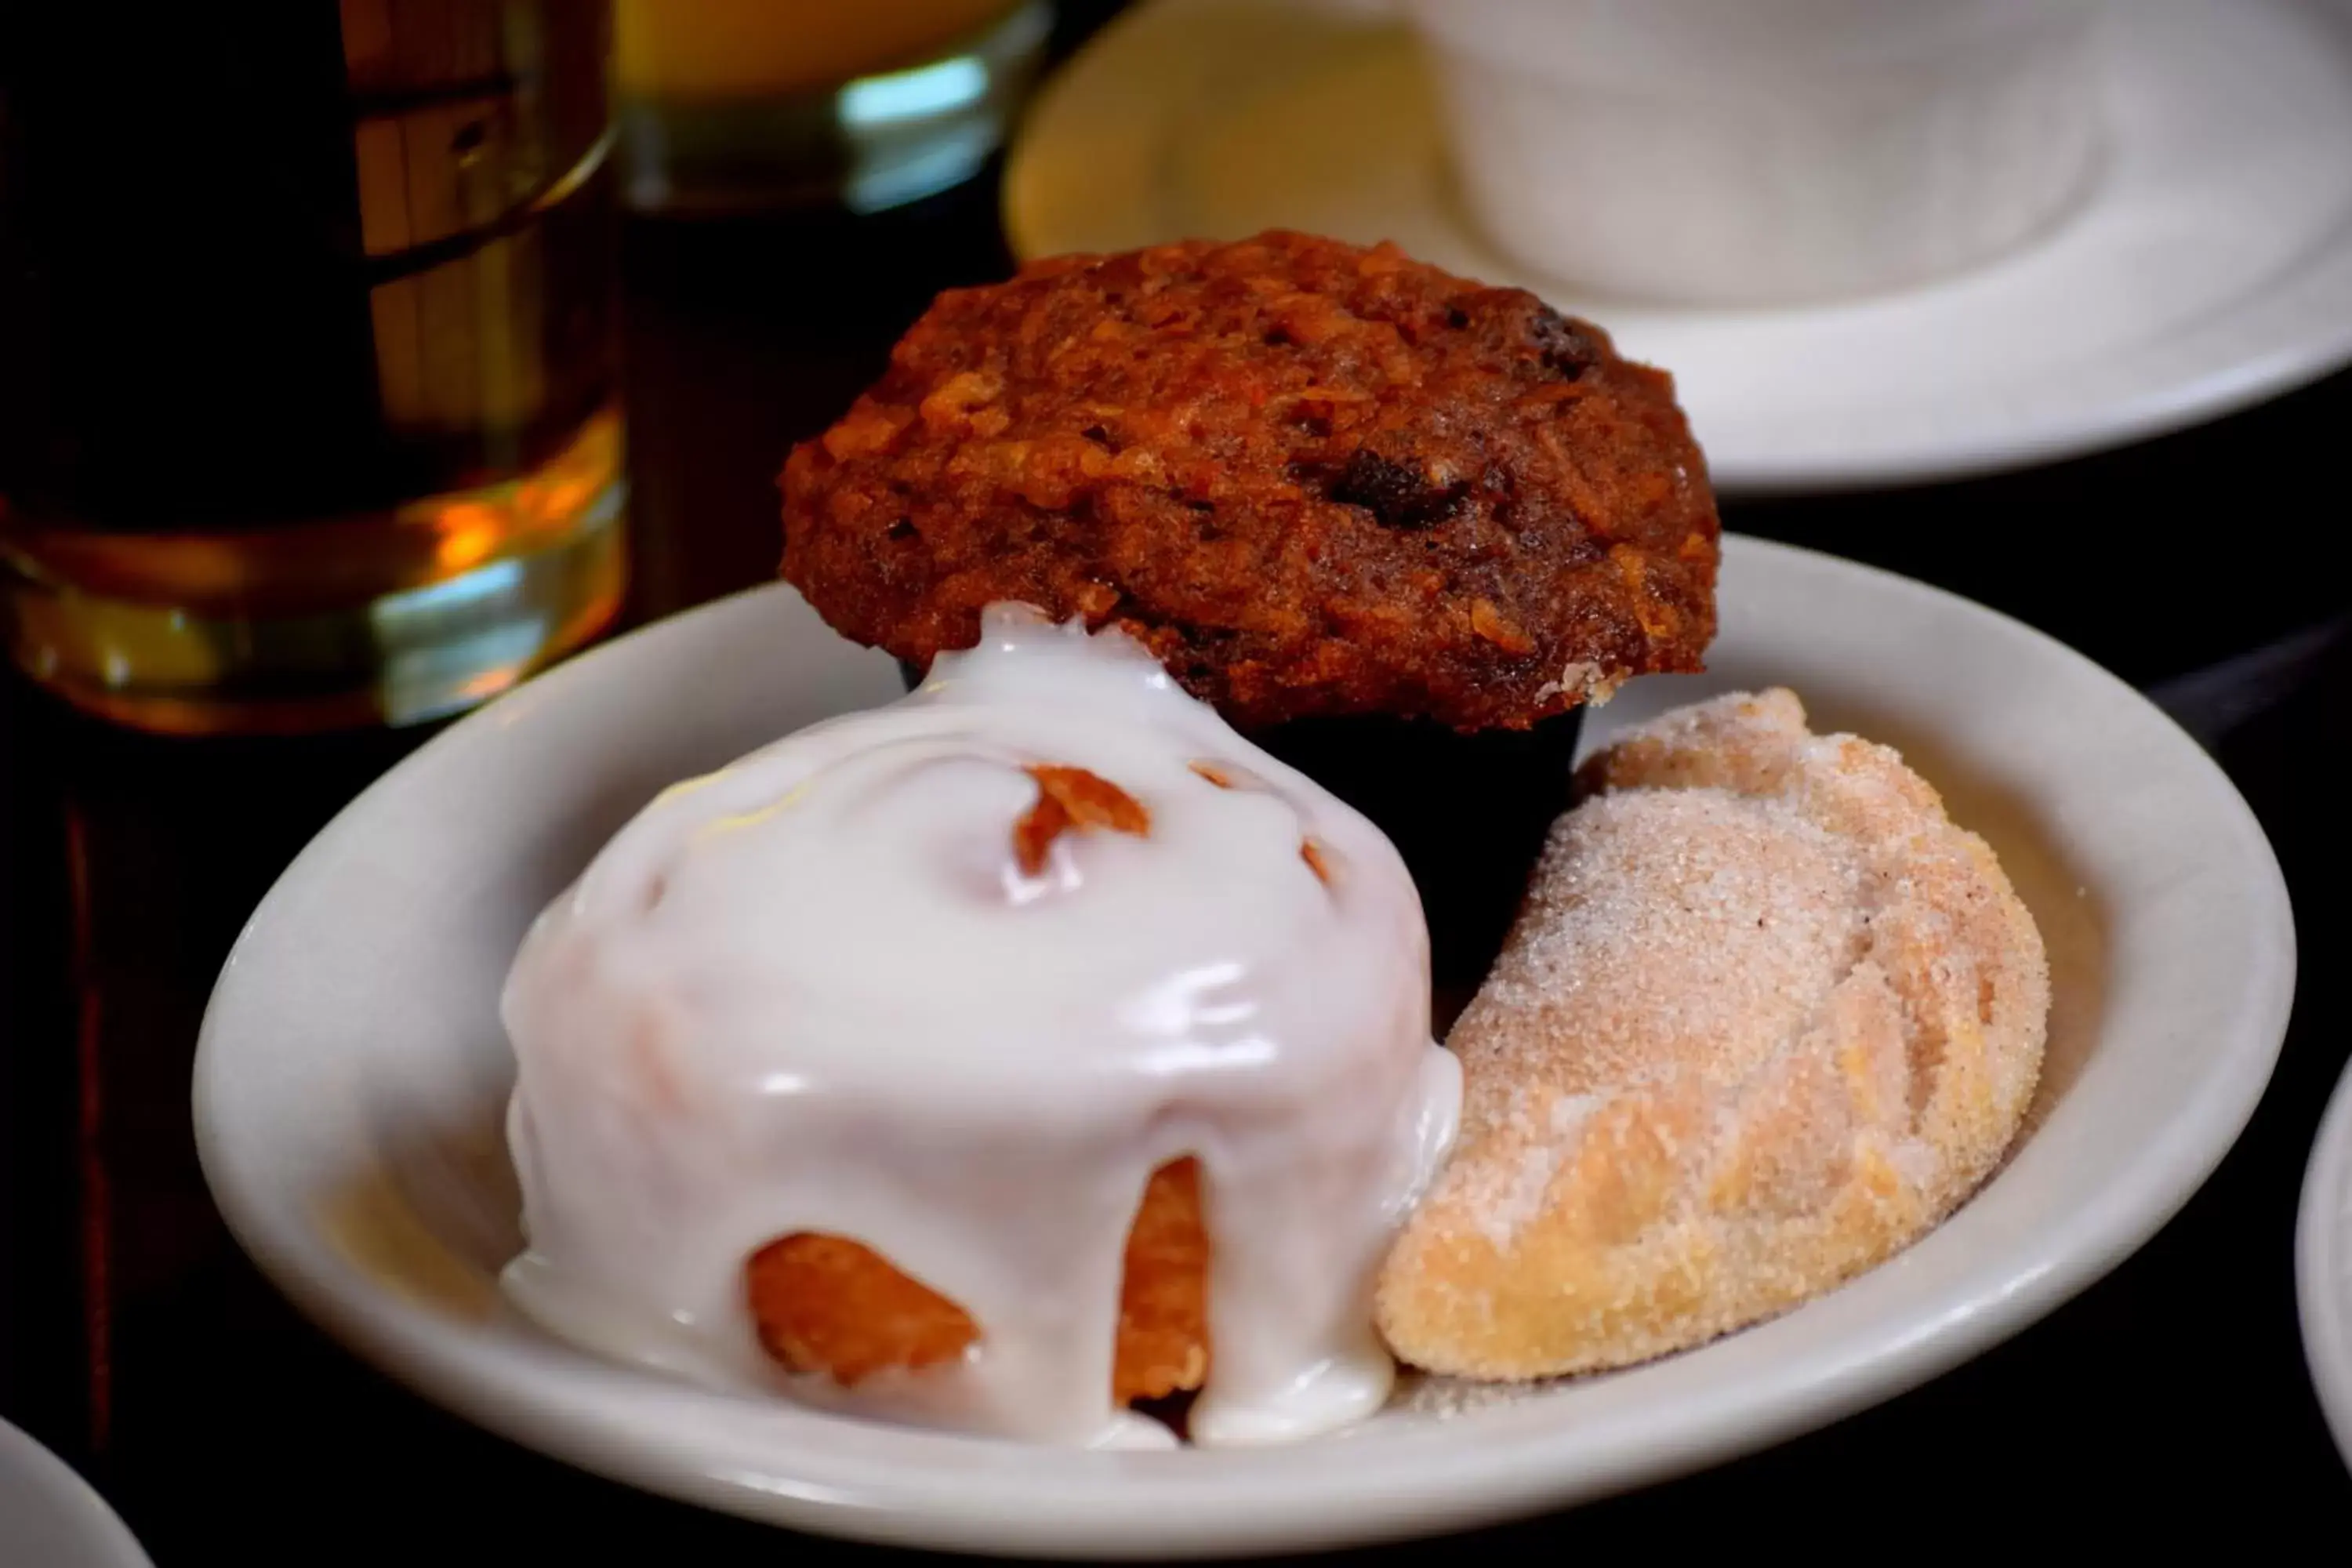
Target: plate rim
(102, 1533)
(566, 1418)
(2282, 360)
(2322, 1264)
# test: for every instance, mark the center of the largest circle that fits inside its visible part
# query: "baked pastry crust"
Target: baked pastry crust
(1767, 1018)
(829, 1305)
(1311, 479)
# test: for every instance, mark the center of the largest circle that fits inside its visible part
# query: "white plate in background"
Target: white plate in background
(50, 1517)
(2211, 268)
(2322, 1264)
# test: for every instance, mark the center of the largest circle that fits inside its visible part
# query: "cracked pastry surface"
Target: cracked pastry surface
(1311, 479)
(1767, 1016)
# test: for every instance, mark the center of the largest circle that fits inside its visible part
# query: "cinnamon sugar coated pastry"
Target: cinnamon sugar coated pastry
(1313, 479)
(1766, 1017)
(991, 1060)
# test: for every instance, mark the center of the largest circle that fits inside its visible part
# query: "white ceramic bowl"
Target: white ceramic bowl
(1748, 151)
(351, 1074)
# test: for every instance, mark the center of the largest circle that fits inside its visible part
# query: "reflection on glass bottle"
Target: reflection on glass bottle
(310, 410)
(735, 104)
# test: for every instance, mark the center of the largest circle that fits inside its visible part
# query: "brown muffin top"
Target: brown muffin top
(1312, 478)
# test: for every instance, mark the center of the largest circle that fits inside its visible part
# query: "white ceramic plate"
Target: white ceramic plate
(2211, 268)
(2322, 1264)
(49, 1517)
(351, 1074)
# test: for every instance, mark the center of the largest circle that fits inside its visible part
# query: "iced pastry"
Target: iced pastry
(846, 1070)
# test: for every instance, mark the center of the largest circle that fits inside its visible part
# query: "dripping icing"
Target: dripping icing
(816, 991)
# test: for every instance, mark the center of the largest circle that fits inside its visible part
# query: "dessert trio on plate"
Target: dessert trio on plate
(1058, 1038)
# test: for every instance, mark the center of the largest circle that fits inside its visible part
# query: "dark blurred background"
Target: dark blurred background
(138, 1342)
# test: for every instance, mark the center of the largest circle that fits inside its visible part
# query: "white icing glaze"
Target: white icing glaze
(815, 992)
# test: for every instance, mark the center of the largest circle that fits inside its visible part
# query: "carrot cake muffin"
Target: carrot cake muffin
(1312, 478)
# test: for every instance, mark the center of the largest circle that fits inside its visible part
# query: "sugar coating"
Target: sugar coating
(1766, 1017)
